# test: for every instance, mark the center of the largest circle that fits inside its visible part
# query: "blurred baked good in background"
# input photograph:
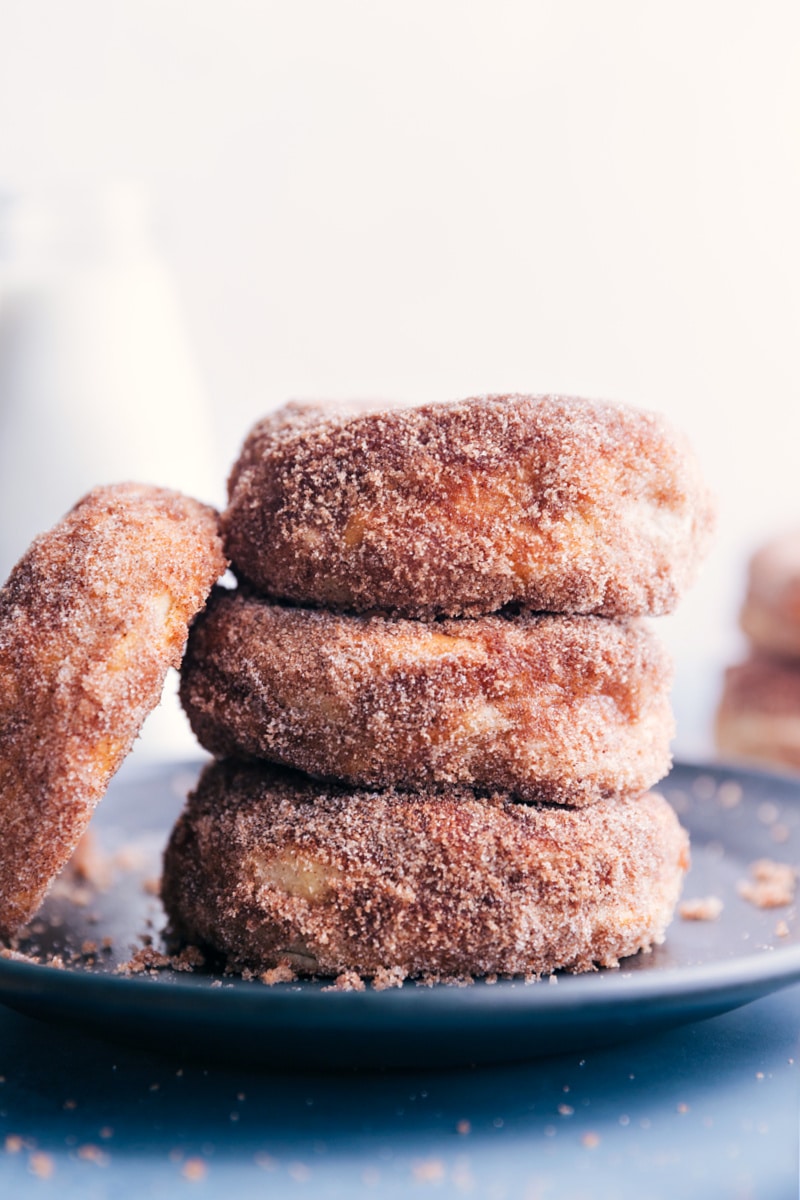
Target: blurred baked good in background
(758, 718)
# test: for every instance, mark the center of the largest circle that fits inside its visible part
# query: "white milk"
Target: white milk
(97, 380)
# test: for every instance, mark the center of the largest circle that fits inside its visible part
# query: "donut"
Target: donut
(771, 613)
(545, 707)
(559, 504)
(266, 864)
(90, 619)
(758, 718)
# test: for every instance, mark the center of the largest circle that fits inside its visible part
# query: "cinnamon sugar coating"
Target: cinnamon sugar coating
(547, 708)
(771, 613)
(266, 865)
(560, 504)
(758, 718)
(91, 618)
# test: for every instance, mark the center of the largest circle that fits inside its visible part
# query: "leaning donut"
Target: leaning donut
(90, 619)
(560, 504)
(265, 864)
(544, 707)
(771, 613)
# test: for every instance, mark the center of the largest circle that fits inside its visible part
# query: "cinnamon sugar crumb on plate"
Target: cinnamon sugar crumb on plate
(18, 956)
(388, 977)
(91, 1153)
(89, 864)
(772, 884)
(189, 958)
(150, 959)
(347, 981)
(194, 1169)
(143, 960)
(41, 1165)
(428, 1170)
(706, 908)
(283, 973)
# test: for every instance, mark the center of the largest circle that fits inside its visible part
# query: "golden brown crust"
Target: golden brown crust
(758, 718)
(560, 504)
(90, 620)
(265, 863)
(771, 613)
(547, 708)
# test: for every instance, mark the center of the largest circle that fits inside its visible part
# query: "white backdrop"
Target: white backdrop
(438, 198)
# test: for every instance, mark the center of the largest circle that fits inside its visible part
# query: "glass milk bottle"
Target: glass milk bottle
(97, 380)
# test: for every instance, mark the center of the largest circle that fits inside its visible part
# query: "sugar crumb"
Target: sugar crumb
(189, 958)
(283, 973)
(41, 1165)
(388, 977)
(95, 1155)
(88, 865)
(151, 960)
(143, 960)
(705, 908)
(772, 884)
(194, 1169)
(428, 1170)
(348, 981)
(18, 956)
(729, 794)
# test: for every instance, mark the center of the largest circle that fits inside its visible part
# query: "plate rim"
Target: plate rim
(781, 965)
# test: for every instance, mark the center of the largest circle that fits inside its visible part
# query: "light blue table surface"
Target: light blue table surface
(709, 1110)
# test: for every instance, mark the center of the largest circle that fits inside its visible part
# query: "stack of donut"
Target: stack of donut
(435, 711)
(758, 718)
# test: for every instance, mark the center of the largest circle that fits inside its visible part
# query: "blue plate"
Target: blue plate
(704, 967)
